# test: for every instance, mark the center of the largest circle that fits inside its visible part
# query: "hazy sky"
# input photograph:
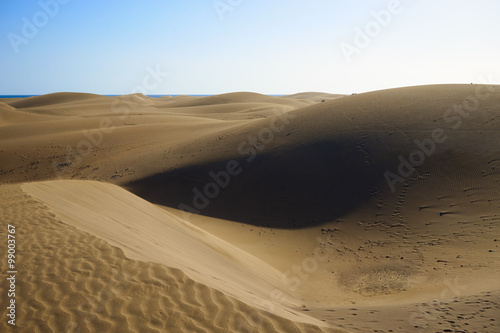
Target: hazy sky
(265, 46)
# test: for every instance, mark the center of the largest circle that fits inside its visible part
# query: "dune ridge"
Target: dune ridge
(161, 237)
(51, 99)
(371, 211)
(76, 282)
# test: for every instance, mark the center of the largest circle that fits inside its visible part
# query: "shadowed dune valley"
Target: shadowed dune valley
(244, 212)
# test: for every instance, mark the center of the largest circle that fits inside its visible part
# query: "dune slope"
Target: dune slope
(356, 208)
(72, 281)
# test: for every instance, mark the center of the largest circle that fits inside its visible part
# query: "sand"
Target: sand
(313, 212)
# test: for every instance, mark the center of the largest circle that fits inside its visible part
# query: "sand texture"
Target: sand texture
(241, 212)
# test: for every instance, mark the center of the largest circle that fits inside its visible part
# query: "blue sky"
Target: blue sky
(270, 47)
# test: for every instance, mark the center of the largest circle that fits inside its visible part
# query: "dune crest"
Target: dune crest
(72, 281)
(374, 211)
(119, 218)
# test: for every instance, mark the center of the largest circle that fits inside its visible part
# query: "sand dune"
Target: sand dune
(10, 116)
(52, 99)
(72, 281)
(237, 97)
(315, 97)
(376, 211)
(163, 238)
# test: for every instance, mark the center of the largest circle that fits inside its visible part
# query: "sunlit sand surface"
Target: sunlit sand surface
(241, 212)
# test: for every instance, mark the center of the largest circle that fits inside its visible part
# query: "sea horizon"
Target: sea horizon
(154, 96)
(112, 95)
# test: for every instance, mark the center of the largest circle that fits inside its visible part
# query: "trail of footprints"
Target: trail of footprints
(369, 160)
(71, 281)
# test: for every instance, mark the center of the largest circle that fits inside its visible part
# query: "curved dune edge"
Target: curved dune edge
(174, 248)
(441, 221)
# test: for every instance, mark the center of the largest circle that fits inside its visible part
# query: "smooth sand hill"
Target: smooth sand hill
(315, 97)
(371, 212)
(71, 281)
(163, 238)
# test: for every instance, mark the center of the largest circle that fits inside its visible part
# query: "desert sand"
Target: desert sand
(242, 212)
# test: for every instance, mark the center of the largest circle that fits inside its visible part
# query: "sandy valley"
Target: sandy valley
(242, 212)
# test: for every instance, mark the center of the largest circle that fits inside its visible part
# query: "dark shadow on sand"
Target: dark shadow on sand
(288, 188)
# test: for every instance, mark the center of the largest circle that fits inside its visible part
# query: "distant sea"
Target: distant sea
(16, 96)
(155, 96)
